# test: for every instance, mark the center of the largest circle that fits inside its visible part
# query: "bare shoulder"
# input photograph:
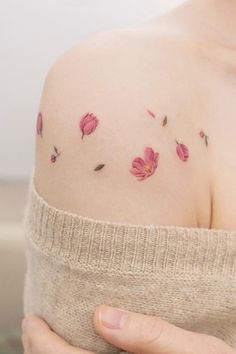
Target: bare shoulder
(120, 131)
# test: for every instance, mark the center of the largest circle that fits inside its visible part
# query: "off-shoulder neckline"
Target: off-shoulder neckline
(43, 201)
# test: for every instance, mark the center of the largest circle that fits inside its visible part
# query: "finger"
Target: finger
(42, 340)
(151, 335)
(25, 343)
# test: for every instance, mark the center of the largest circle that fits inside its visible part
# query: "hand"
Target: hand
(130, 331)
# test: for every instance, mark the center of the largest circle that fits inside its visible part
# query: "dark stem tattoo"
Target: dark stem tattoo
(204, 136)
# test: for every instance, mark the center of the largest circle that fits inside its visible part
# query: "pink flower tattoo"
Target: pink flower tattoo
(54, 156)
(142, 168)
(204, 136)
(182, 151)
(88, 123)
(39, 125)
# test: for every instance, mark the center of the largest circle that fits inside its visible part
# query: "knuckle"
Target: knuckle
(154, 329)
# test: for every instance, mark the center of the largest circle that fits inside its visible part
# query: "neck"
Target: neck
(211, 18)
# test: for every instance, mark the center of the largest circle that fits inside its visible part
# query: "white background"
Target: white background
(32, 35)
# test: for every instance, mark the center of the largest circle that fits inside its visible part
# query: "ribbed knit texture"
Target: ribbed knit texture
(185, 275)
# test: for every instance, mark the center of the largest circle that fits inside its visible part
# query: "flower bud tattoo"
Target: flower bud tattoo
(88, 124)
(182, 151)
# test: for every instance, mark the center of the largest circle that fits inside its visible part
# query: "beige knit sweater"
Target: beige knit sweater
(74, 263)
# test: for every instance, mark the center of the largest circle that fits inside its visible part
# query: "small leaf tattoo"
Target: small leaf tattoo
(53, 157)
(39, 124)
(204, 136)
(182, 151)
(88, 124)
(99, 167)
(142, 168)
(151, 113)
(164, 121)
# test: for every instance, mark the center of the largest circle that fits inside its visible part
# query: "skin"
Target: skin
(140, 334)
(211, 26)
(177, 71)
(181, 65)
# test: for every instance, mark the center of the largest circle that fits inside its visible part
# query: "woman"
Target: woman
(133, 198)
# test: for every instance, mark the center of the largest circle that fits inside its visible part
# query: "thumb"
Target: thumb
(142, 334)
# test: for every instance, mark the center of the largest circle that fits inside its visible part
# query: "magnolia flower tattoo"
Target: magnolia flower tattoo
(88, 124)
(142, 168)
(182, 151)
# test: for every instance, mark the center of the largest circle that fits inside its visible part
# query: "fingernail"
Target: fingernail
(111, 317)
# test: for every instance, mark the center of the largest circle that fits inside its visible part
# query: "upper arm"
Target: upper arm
(97, 132)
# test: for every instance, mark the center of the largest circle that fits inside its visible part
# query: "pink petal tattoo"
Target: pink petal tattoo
(204, 136)
(39, 125)
(54, 156)
(88, 124)
(151, 113)
(142, 168)
(182, 151)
